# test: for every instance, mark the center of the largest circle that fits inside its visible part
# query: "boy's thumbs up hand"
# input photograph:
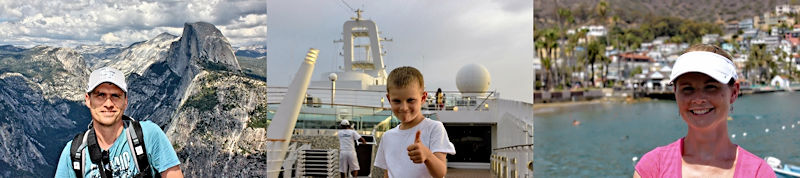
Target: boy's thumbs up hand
(418, 152)
(416, 139)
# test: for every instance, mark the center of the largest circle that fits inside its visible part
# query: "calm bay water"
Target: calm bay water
(611, 134)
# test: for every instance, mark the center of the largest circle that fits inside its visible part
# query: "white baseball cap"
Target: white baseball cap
(345, 122)
(107, 74)
(714, 65)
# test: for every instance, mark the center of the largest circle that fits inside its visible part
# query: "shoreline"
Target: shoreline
(543, 108)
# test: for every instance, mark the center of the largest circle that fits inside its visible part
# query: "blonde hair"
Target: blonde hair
(404, 76)
(709, 48)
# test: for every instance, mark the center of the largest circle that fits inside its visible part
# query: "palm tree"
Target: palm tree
(605, 61)
(551, 44)
(595, 52)
(759, 60)
(546, 44)
(781, 55)
(566, 20)
(572, 43)
(614, 35)
(539, 45)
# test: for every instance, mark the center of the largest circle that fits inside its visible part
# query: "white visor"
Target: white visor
(712, 64)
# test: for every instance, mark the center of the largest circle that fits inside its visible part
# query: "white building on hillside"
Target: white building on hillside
(787, 9)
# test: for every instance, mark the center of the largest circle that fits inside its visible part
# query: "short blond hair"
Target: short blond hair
(404, 76)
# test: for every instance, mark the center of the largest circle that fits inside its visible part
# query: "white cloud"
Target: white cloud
(42, 22)
(250, 20)
(110, 38)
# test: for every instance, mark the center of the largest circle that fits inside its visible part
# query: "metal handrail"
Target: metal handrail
(512, 161)
(514, 146)
(484, 100)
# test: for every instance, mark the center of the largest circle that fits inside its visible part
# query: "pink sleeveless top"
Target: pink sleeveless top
(665, 161)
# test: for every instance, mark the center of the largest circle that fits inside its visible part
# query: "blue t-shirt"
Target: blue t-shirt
(159, 150)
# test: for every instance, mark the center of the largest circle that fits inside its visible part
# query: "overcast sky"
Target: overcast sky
(437, 37)
(73, 22)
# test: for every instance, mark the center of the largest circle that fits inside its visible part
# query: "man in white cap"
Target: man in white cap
(116, 145)
(347, 151)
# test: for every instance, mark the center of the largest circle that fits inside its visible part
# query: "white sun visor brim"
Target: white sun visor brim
(714, 65)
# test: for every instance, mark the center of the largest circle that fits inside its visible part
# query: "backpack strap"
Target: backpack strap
(136, 143)
(97, 155)
(76, 153)
(129, 128)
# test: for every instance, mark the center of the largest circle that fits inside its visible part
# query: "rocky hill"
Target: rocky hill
(156, 93)
(40, 90)
(210, 130)
(632, 12)
(137, 57)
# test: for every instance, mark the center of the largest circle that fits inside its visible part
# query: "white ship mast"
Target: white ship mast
(372, 64)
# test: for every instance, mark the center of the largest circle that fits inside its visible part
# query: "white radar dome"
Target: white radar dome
(473, 80)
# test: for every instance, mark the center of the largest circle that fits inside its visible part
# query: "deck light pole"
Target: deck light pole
(333, 78)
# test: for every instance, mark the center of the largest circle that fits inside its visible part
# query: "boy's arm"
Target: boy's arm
(436, 163)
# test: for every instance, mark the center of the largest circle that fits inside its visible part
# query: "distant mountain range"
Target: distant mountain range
(195, 86)
(633, 12)
(251, 51)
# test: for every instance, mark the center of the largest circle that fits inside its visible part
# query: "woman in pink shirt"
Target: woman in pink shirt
(704, 80)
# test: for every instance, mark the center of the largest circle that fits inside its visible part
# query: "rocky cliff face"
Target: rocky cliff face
(202, 46)
(40, 90)
(139, 56)
(210, 130)
(59, 72)
(156, 93)
(98, 55)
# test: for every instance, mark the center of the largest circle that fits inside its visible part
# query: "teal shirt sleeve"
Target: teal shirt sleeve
(64, 168)
(159, 149)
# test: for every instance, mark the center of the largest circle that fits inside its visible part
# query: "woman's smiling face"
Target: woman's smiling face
(703, 102)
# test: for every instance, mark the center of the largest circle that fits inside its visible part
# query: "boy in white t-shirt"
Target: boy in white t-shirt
(347, 149)
(418, 146)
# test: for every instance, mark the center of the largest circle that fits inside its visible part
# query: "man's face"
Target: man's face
(406, 102)
(107, 103)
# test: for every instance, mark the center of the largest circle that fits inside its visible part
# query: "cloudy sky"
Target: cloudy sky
(72, 22)
(437, 37)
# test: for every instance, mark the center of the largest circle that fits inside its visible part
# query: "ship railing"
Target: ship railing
(327, 116)
(454, 100)
(460, 101)
(514, 157)
(512, 161)
(316, 96)
(289, 162)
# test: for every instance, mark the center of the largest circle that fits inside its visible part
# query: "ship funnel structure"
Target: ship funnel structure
(279, 132)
